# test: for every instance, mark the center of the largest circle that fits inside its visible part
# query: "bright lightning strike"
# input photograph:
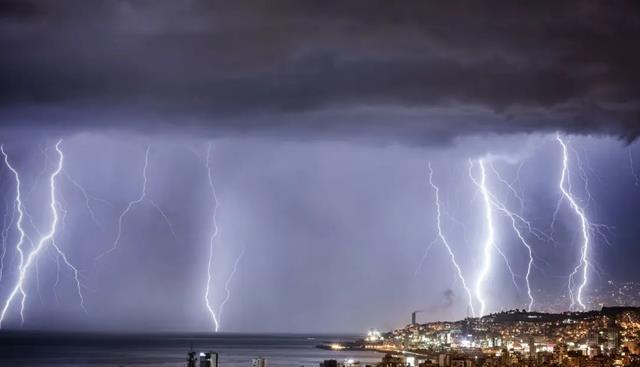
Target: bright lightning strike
(489, 243)
(74, 270)
(444, 241)
(584, 225)
(514, 218)
(227, 284)
(212, 240)
(47, 238)
(21, 236)
(516, 221)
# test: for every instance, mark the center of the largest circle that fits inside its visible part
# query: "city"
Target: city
(609, 337)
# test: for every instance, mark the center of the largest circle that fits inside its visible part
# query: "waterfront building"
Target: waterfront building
(191, 359)
(209, 359)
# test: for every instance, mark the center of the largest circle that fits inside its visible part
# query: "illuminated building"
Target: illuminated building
(613, 338)
(209, 359)
(374, 335)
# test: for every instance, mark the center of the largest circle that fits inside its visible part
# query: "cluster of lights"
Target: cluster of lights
(374, 335)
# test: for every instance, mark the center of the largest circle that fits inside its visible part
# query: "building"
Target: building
(191, 359)
(532, 348)
(613, 338)
(209, 359)
(259, 362)
(374, 335)
(391, 361)
(560, 351)
(329, 363)
(444, 360)
(462, 362)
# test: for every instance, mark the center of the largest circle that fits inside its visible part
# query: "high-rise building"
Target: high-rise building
(414, 320)
(613, 338)
(532, 347)
(209, 359)
(560, 352)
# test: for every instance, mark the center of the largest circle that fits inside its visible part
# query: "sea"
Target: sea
(169, 350)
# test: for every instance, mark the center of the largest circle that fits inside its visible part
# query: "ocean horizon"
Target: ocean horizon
(97, 349)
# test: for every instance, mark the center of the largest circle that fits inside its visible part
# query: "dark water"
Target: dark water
(235, 350)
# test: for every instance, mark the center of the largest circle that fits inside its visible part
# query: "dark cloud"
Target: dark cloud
(424, 71)
(17, 9)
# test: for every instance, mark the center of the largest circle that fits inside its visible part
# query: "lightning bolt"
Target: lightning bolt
(47, 238)
(583, 175)
(64, 211)
(227, 284)
(141, 198)
(5, 233)
(554, 218)
(489, 242)
(130, 205)
(32, 242)
(21, 233)
(164, 217)
(509, 186)
(508, 265)
(55, 285)
(212, 240)
(444, 241)
(87, 199)
(565, 188)
(424, 255)
(632, 167)
(515, 220)
(76, 273)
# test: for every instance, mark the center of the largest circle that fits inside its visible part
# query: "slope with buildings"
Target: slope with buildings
(608, 337)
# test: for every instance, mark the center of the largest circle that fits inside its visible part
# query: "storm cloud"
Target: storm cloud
(412, 71)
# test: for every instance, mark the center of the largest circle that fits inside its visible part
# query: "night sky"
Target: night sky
(320, 118)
